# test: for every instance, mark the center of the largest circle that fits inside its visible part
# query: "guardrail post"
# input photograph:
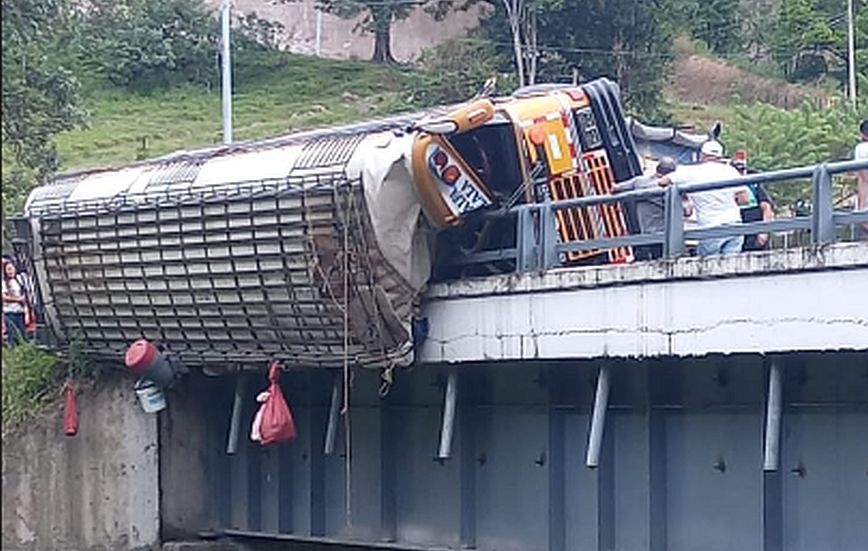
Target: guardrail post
(822, 222)
(525, 241)
(549, 237)
(674, 237)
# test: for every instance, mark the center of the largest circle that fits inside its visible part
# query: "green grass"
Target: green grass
(296, 92)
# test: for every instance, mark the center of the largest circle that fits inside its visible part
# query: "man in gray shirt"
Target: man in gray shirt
(649, 212)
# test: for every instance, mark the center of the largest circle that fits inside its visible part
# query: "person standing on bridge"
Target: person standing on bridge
(716, 207)
(756, 207)
(861, 154)
(650, 211)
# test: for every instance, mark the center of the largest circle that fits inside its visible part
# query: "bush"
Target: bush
(31, 381)
(778, 138)
(147, 44)
(455, 70)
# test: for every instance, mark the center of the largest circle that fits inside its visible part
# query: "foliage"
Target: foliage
(520, 21)
(810, 39)
(455, 70)
(33, 378)
(758, 23)
(718, 23)
(778, 138)
(149, 44)
(802, 39)
(378, 16)
(625, 40)
(40, 96)
(31, 381)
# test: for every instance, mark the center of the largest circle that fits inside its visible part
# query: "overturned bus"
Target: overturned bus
(314, 247)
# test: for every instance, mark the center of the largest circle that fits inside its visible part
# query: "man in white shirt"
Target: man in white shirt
(715, 207)
(861, 153)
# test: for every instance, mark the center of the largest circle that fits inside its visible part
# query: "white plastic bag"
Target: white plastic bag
(257, 419)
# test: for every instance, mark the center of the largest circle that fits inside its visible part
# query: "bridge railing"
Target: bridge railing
(538, 246)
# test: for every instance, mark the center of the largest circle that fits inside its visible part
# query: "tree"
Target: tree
(803, 40)
(718, 23)
(628, 41)
(40, 96)
(523, 17)
(149, 43)
(758, 25)
(377, 18)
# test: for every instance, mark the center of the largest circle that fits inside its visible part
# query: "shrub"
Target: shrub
(147, 44)
(33, 378)
(779, 138)
(455, 70)
(31, 381)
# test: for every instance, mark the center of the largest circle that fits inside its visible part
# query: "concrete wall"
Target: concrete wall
(186, 448)
(95, 491)
(341, 39)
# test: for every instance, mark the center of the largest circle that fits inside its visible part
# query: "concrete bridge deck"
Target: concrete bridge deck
(804, 299)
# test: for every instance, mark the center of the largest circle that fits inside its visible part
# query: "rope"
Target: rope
(345, 411)
(387, 377)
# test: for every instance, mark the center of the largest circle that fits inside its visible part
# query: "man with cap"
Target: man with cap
(716, 207)
(860, 153)
(649, 211)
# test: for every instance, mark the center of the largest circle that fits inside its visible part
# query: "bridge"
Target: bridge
(685, 403)
(711, 403)
(781, 301)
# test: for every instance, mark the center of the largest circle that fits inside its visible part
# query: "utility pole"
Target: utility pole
(318, 33)
(226, 82)
(852, 47)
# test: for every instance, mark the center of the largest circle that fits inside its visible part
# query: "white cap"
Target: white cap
(712, 148)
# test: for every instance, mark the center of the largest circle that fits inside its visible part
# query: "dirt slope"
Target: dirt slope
(706, 80)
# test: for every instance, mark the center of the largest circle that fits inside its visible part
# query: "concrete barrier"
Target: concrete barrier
(98, 490)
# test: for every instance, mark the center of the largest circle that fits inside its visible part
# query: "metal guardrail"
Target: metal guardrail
(538, 246)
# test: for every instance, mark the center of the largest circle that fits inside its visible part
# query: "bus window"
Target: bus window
(492, 153)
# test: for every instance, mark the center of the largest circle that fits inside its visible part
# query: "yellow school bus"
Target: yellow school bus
(314, 247)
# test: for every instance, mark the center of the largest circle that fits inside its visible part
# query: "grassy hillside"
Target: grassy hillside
(297, 92)
(301, 92)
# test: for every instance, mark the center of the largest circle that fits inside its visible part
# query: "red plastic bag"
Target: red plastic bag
(276, 423)
(70, 410)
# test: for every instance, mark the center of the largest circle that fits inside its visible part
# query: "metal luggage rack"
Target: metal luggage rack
(177, 193)
(538, 247)
(221, 275)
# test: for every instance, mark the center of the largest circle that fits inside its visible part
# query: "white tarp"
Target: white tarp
(383, 163)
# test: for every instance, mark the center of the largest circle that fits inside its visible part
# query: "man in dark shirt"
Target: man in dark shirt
(650, 212)
(759, 207)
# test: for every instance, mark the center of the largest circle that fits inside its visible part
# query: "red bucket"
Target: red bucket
(143, 359)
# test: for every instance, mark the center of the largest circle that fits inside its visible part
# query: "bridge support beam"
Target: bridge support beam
(773, 419)
(444, 451)
(235, 422)
(332, 426)
(598, 417)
